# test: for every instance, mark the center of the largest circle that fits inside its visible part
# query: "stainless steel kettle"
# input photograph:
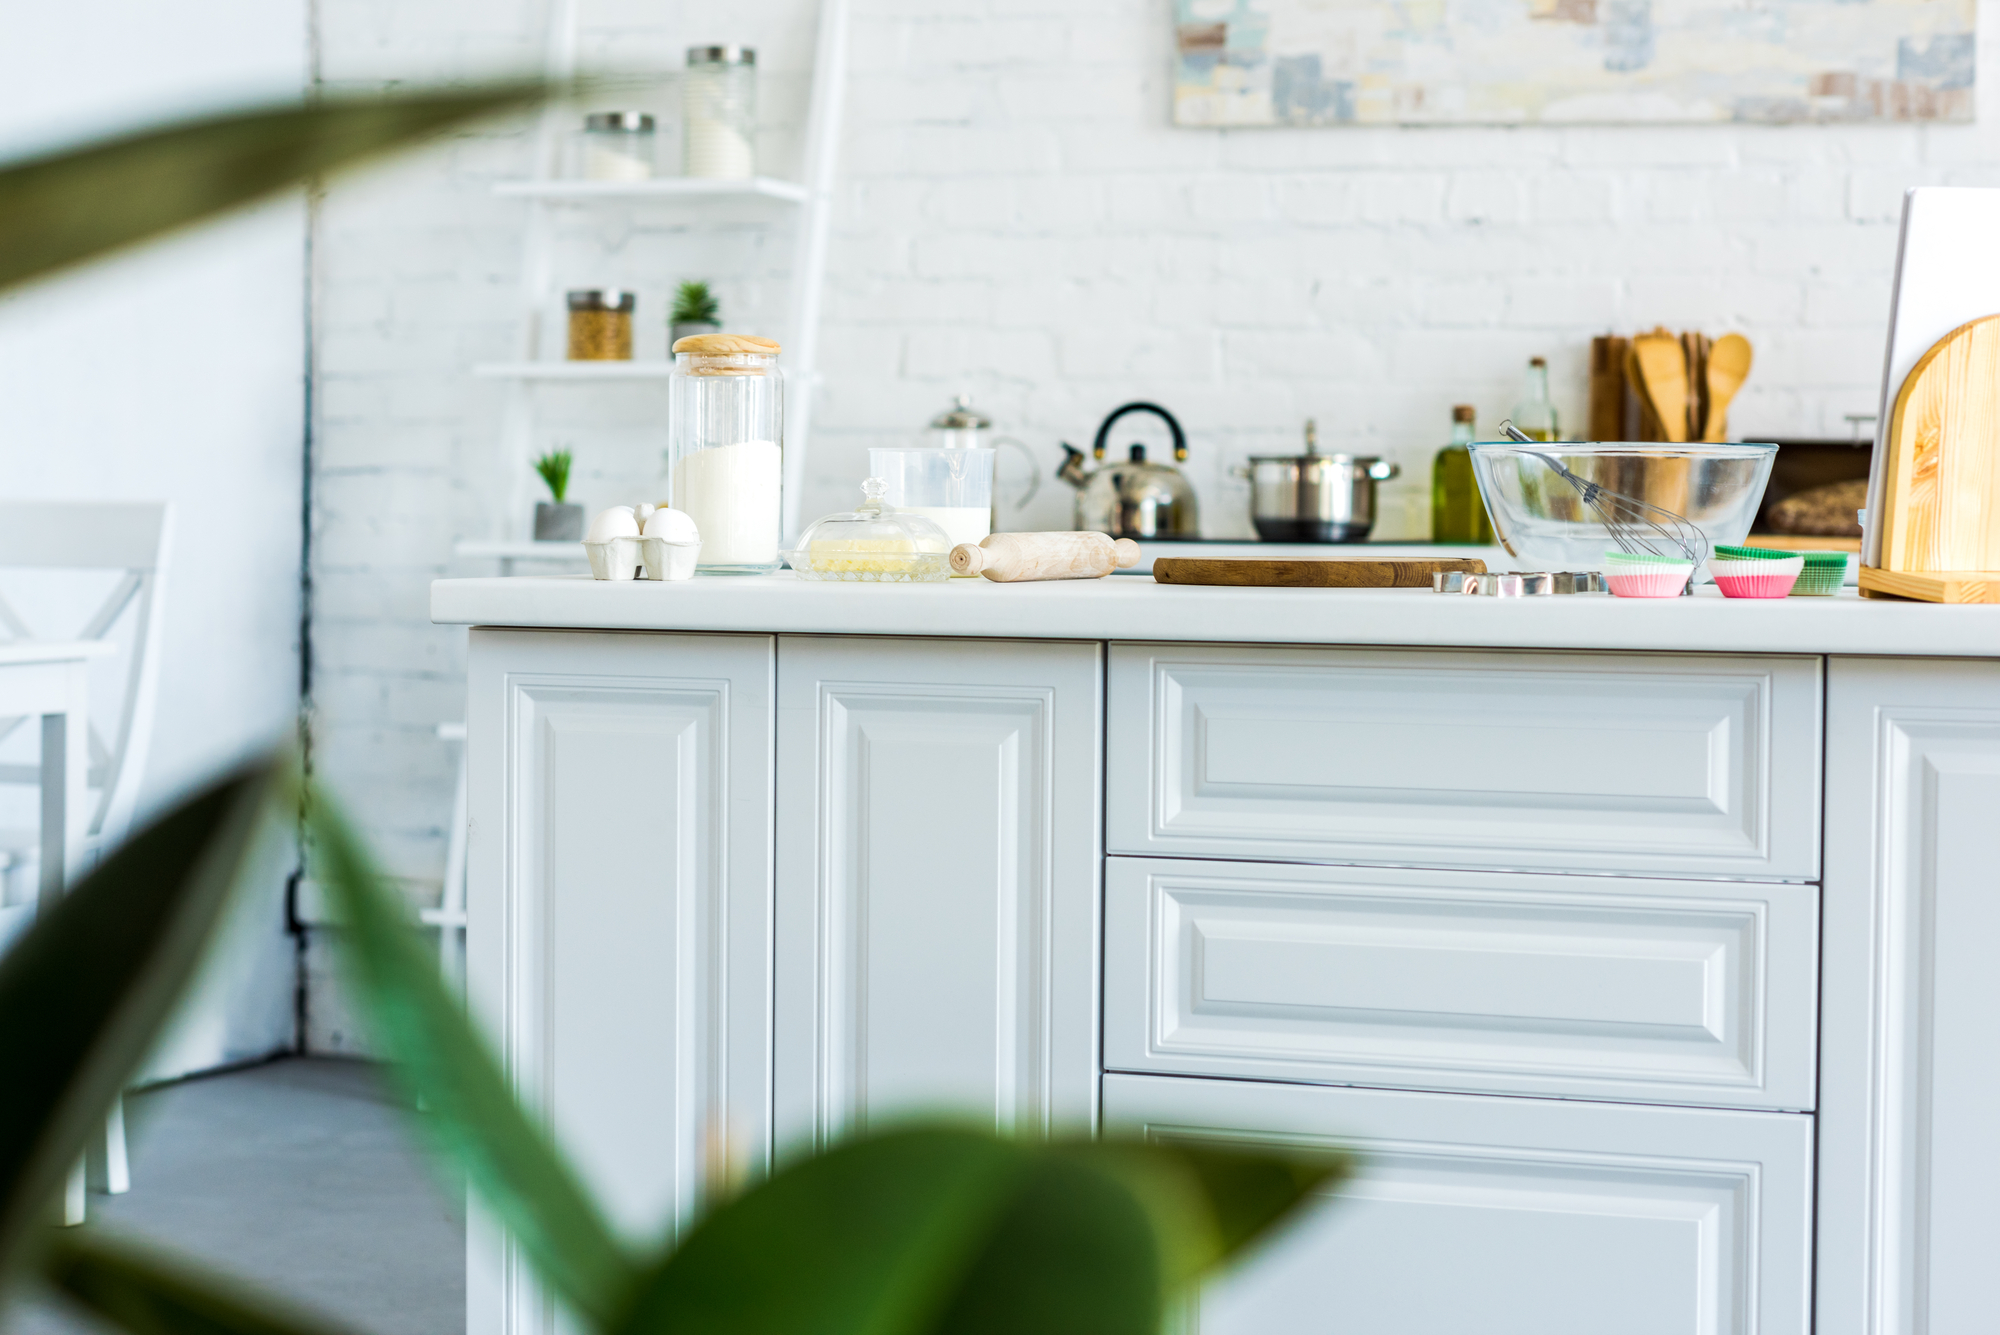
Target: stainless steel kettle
(1135, 498)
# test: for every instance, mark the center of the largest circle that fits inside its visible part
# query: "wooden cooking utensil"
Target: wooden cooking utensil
(1333, 573)
(1941, 485)
(1663, 366)
(1006, 558)
(1649, 418)
(1607, 388)
(1728, 368)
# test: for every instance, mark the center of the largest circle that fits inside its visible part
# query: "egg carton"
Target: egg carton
(642, 542)
(642, 558)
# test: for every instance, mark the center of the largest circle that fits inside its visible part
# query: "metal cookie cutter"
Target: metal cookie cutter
(1531, 585)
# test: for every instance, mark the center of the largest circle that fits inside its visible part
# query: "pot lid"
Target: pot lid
(961, 416)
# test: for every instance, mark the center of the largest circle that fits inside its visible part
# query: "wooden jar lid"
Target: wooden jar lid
(725, 345)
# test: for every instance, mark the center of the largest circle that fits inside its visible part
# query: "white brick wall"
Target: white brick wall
(1018, 220)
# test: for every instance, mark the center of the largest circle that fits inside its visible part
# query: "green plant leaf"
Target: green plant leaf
(554, 469)
(147, 1293)
(950, 1232)
(694, 303)
(444, 1065)
(1210, 1199)
(85, 991)
(865, 1239)
(1105, 1231)
(1074, 1254)
(66, 207)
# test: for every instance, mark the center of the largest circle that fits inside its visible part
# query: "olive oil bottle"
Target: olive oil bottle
(1458, 514)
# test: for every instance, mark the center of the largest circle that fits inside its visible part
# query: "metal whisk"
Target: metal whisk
(1634, 525)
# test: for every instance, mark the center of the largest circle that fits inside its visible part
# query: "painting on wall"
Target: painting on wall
(1523, 62)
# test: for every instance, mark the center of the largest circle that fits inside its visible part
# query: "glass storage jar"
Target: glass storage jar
(726, 406)
(618, 146)
(719, 112)
(600, 324)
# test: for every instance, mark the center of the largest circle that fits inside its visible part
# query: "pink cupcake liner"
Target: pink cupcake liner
(1756, 586)
(1651, 584)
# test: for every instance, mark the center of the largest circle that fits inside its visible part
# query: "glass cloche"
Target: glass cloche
(876, 543)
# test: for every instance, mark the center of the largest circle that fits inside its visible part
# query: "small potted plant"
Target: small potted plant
(557, 521)
(695, 312)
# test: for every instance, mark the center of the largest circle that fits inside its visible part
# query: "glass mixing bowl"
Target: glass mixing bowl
(1548, 522)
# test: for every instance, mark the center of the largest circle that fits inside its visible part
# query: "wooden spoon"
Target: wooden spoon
(1664, 366)
(1728, 368)
(1648, 419)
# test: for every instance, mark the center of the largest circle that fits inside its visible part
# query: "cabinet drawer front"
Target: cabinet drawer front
(1578, 986)
(1510, 1216)
(1684, 764)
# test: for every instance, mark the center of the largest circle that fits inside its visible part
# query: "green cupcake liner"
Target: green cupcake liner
(1819, 583)
(1754, 554)
(1828, 560)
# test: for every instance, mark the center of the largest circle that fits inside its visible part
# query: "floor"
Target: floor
(299, 1177)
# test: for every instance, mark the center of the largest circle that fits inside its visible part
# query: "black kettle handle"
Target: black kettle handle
(1104, 432)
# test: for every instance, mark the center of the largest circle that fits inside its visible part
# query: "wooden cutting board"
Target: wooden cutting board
(1940, 507)
(1333, 573)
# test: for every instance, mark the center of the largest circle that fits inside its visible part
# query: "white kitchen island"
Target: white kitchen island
(1644, 950)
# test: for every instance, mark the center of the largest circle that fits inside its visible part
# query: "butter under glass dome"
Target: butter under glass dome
(874, 544)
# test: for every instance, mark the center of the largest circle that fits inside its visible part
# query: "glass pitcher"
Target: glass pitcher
(963, 427)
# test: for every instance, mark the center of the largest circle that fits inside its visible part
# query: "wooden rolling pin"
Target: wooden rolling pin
(1007, 557)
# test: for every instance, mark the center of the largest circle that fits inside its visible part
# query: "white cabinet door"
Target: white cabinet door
(1489, 1216)
(937, 881)
(1632, 764)
(1653, 991)
(619, 904)
(1909, 1228)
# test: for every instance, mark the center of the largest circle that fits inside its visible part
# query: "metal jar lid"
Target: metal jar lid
(601, 299)
(628, 121)
(721, 55)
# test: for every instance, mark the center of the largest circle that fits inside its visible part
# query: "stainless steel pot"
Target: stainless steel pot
(1314, 497)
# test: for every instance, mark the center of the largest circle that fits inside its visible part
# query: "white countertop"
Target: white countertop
(1129, 608)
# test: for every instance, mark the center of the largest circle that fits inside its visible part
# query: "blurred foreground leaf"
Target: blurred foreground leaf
(150, 1294)
(941, 1231)
(443, 1063)
(67, 207)
(85, 991)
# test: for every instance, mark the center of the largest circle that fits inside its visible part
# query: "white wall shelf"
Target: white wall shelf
(591, 371)
(658, 188)
(803, 208)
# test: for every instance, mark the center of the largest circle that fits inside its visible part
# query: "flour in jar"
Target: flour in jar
(731, 493)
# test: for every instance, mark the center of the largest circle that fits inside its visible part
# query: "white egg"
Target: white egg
(642, 512)
(617, 522)
(673, 525)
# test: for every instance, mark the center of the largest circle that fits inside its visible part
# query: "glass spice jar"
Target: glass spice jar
(726, 407)
(600, 325)
(618, 146)
(719, 112)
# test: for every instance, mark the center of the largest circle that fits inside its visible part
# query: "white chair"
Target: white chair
(132, 539)
(449, 916)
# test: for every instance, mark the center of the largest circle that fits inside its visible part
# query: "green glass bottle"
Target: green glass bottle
(1458, 514)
